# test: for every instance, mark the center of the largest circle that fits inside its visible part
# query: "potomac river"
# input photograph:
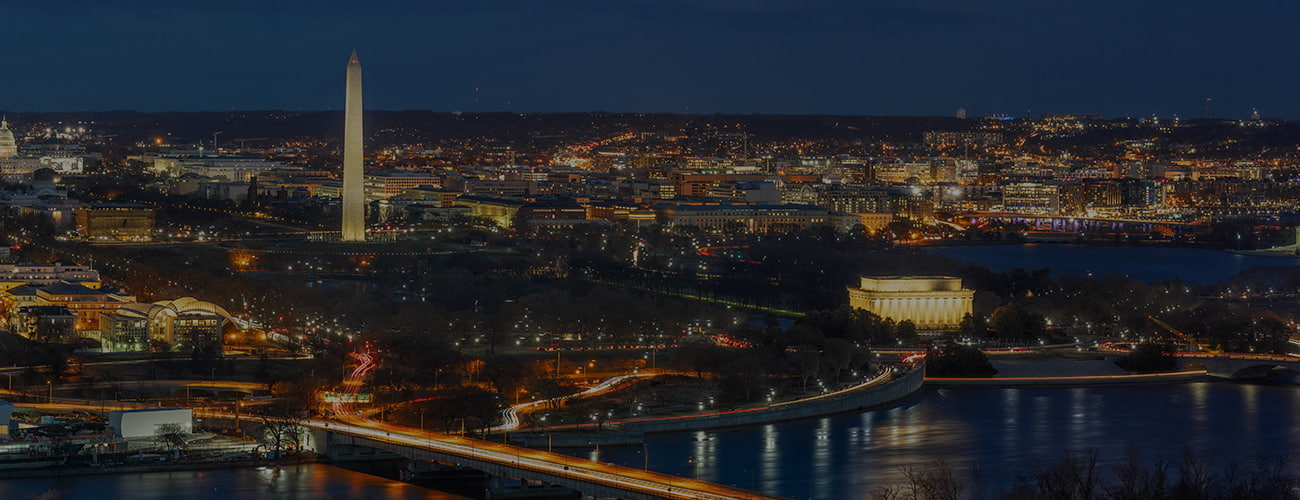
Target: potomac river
(1144, 263)
(1003, 431)
(842, 456)
(845, 456)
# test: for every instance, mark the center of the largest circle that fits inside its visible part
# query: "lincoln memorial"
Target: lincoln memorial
(933, 303)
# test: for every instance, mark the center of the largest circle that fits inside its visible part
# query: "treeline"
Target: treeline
(821, 350)
(1079, 476)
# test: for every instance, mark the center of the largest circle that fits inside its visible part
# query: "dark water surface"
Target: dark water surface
(1004, 431)
(1144, 263)
(296, 482)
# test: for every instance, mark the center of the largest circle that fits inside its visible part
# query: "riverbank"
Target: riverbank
(154, 467)
(627, 432)
(1070, 381)
(311, 481)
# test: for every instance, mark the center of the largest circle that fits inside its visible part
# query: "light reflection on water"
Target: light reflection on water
(298, 482)
(1004, 431)
(844, 456)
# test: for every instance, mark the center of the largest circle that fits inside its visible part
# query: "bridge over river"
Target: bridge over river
(1240, 366)
(600, 480)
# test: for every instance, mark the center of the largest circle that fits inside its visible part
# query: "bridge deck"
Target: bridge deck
(594, 478)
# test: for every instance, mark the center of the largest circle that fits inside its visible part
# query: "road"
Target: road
(638, 480)
(510, 417)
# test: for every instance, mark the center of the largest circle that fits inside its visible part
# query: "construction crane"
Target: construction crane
(243, 140)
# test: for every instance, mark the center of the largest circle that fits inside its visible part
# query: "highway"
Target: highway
(635, 480)
(510, 417)
(525, 459)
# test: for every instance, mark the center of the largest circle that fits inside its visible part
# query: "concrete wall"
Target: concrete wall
(891, 391)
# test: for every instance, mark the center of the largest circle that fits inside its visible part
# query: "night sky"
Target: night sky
(890, 57)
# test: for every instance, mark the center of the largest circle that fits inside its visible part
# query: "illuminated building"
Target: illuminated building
(8, 146)
(749, 218)
(182, 324)
(1139, 193)
(1090, 195)
(435, 197)
(124, 331)
(914, 207)
(853, 200)
(384, 185)
(874, 221)
(489, 187)
(86, 303)
(14, 275)
(950, 139)
(354, 203)
(19, 170)
(762, 192)
(45, 323)
(555, 213)
(13, 168)
(693, 184)
(500, 210)
(1032, 197)
(932, 303)
(229, 168)
(115, 222)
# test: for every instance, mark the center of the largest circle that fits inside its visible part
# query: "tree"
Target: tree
(171, 436)
(743, 377)
(973, 326)
(1012, 322)
(958, 360)
(806, 361)
(281, 426)
(1149, 357)
(839, 354)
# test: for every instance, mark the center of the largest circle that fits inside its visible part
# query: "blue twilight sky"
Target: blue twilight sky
(895, 57)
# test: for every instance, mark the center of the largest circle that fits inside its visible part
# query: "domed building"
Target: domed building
(8, 146)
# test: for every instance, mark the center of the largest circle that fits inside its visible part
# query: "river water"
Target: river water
(1144, 263)
(842, 456)
(1003, 431)
(298, 482)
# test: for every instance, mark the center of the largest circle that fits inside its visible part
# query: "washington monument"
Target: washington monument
(354, 197)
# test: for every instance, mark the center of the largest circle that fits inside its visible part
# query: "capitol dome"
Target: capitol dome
(8, 146)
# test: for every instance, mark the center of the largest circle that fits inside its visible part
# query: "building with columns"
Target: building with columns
(933, 303)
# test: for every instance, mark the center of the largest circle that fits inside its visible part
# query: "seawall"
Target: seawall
(1087, 380)
(885, 393)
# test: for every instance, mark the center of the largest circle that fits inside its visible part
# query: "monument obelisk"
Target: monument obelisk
(354, 196)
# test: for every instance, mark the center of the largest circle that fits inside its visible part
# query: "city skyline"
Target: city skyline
(773, 57)
(649, 249)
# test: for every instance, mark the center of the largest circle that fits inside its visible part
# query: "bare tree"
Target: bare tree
(934, 482)
(281, 427)
(171, 436)
(1135, 481)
